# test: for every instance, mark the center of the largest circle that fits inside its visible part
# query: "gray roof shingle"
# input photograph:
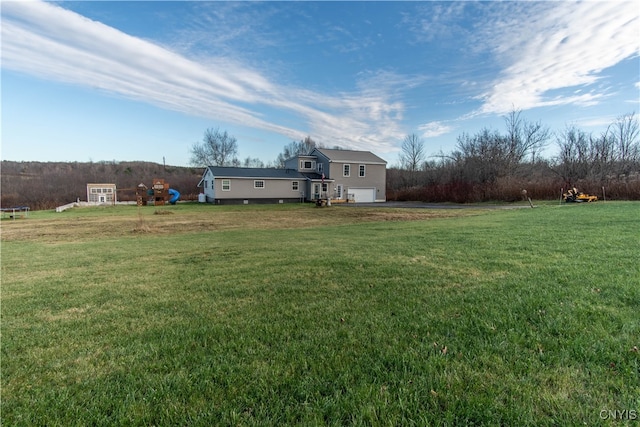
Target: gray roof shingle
(350, 156)
(233, 172)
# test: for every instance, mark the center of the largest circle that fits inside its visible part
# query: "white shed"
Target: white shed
(101, 194)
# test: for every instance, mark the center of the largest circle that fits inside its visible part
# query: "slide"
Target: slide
(175, 195)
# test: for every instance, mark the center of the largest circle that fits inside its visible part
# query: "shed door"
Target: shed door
(363, 195)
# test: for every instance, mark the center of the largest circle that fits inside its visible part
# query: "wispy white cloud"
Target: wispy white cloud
(434, 129)
(214, 65)
(227, 28)
(599, 122)
(559, 45)
(436, 22)
(54, 43)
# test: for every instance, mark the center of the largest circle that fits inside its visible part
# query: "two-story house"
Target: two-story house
(339, 175)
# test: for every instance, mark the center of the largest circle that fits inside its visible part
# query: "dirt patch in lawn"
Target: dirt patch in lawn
(207, 219)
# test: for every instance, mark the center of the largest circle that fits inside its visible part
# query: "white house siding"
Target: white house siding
(208, 186)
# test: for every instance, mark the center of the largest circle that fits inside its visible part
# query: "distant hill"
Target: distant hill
(45, 185)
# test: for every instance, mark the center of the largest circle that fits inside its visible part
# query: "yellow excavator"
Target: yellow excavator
(575, 196)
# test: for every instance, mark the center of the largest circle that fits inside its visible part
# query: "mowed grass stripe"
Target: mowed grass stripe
(499, 317)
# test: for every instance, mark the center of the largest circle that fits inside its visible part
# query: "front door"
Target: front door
(316, 191)
(339, 191)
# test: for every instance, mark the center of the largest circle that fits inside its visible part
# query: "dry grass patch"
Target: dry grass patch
(92, 223)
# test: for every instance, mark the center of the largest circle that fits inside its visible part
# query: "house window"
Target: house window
(346, 170)
(320, 167)
(295, 185)
(206, 183)
(361, 170)
(258, 184)
(325, 188)
(226, 185)
(308, 164)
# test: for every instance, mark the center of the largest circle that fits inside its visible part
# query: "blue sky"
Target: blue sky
(119, 80)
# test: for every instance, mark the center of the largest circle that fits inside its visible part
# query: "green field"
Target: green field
(295, 315)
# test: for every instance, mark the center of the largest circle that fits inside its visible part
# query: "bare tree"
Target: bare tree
(602, 155)
(573, 158)
(295, 148)
(252, 162)
(524, 138)
(483, 157)
(217, 149)
(626, 131)
(412, 155)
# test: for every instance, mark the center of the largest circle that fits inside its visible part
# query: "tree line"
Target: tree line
(493, 165)
(489, 165)
(46, 185)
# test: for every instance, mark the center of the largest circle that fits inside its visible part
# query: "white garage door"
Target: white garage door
(363, 195)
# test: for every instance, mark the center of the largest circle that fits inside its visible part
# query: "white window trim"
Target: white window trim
(303, 164)
(362, 171)
(255, 184)
(295, 185)
(346, 170)
(228, 185)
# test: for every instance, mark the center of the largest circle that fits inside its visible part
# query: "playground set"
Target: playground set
(159, 194)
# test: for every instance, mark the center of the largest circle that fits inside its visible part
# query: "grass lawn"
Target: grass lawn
(295, 315)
